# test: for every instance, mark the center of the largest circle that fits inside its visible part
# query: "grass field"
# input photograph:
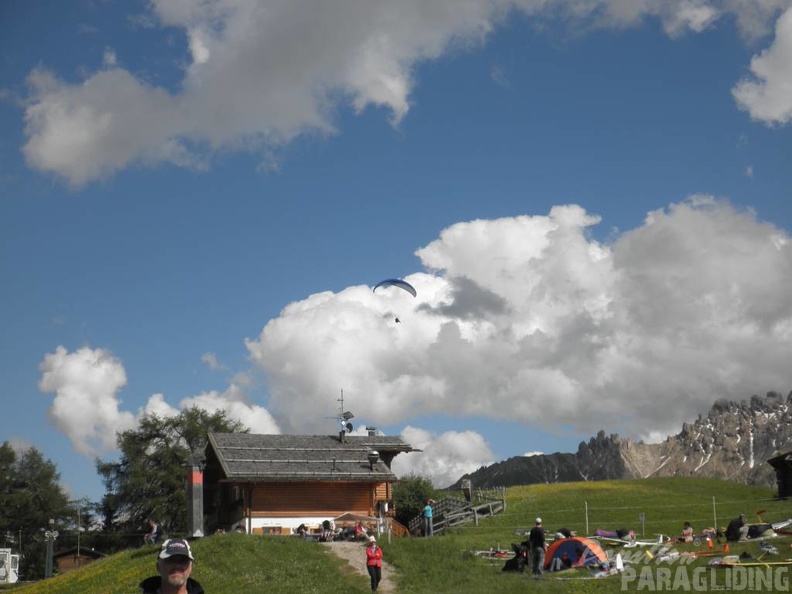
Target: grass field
(238, 563)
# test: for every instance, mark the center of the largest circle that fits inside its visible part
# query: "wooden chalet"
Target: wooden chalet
(270, 484)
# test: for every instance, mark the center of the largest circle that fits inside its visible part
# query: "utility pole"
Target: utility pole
(77, 503)
(79, 509)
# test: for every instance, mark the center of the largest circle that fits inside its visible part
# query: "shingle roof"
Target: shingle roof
(84, 551)
(244, 456)
(780, 460)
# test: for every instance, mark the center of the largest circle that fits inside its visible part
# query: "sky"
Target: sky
(590, 197)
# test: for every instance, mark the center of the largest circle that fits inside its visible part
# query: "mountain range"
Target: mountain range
(733, 441)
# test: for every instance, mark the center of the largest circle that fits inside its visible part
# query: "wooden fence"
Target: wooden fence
(451, 512)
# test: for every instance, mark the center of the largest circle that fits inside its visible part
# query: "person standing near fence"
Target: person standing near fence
(374, 562)
(427, 515)
(536, 540)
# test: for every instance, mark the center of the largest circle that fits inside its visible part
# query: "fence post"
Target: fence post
(587, 526)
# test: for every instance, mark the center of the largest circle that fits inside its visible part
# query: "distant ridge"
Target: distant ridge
(733, 442)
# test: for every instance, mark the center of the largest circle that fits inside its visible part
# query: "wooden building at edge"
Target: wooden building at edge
(782, 464)
(75, 558)
(270, 484)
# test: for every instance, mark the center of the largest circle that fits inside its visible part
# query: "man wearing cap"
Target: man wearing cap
(174, 565)
(374, 562)
(536, 540)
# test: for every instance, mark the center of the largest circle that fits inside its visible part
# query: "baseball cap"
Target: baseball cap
(175, 546)
(372, 539)
(538, 520)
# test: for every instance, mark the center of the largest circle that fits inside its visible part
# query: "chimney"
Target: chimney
(373, 458)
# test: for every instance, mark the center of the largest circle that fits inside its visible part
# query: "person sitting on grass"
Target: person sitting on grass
(687, 533)
(155, 533)
(360, 532)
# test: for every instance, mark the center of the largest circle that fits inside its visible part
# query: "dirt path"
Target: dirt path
(355, 554)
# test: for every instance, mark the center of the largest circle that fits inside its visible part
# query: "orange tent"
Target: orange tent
(576, 551)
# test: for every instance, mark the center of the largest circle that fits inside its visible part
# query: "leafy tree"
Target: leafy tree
(30, 496)
(410, 495)
(148, 481)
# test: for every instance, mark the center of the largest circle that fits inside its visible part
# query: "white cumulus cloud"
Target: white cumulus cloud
(211, 361)
(86, 407)
(767, 94)
(88, 410)
(238, 408)
(445, 457)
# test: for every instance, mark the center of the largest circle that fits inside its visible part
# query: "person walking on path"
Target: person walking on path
(536, 540)
(374, 562)
(427, 515)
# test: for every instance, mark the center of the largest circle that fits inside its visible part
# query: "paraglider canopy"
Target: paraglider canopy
(397, 282)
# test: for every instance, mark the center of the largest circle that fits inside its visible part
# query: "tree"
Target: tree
(30, 496)
(410, 495)
(148, 481)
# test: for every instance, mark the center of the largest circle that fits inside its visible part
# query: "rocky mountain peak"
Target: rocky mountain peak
(733, 442)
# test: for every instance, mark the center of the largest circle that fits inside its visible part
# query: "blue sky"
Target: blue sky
(590, 197)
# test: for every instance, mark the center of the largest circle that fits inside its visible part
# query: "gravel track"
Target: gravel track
(354, 553)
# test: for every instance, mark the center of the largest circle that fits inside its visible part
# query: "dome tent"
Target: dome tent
(576, 551)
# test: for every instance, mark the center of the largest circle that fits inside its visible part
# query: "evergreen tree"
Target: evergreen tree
(30, 496)
(149, 479)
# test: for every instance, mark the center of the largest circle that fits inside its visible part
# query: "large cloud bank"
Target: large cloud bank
(529, 319)
(526, 319)
(260, 73)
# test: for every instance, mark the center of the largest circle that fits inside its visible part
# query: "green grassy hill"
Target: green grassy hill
(238, 563)
(230, 563)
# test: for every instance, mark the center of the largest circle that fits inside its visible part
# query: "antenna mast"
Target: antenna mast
(344, 416)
